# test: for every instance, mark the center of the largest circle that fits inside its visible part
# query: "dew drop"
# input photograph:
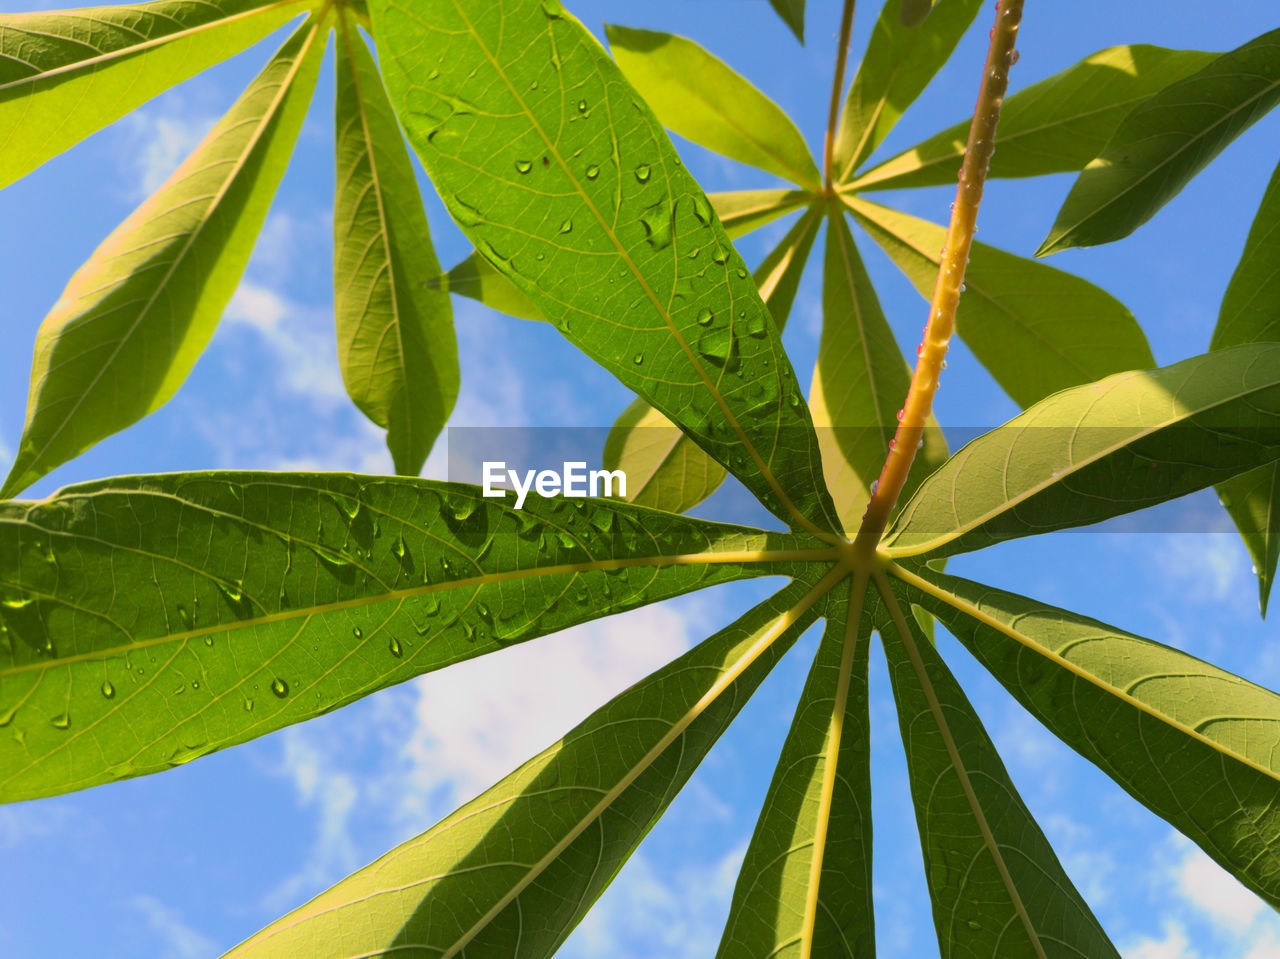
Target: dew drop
(280, 688)
(395, 648)
(248, 705)
(61, 721)
(108, 691)
(582, 106)
(944, 364)
(357, 632)
(566, 226)
(901, 413)
(524, 166)
(593, 171)
(705, 316)
(756, 325)
(638, 359)
(656, 221)
(642, 172)
(717, 345)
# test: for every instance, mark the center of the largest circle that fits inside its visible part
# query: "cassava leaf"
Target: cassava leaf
(136, 316)
(1250, 313)
(1191, 742)
(1037, 330)
(1165, 142)
(396, 346)
(666, 469)
(805, 884)
(791, 12)
(704, 100)
(514, 870)
(476, 277)
(859, 383)
(742, 211)
(150, 620)
(566, 181)
(996, 885)
(899, 63)
(67, 73)
(1054, 126)
(1086, 454)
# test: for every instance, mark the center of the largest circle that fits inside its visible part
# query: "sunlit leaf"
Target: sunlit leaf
(704, 100)
(805, 884)
(396, 345)
(136, 316)
(899, 63)
(665, 468)
(742, 211)
(150, 620)
(475, 277)
(1089, 453)
(1250, 313)
(791, 13)
(859, 383)
(515, 869)
(567, 183)
(65, 74)
(1192, 742)
(1037, 330)
(1165, 142)
(997, 887)
(1054, 126)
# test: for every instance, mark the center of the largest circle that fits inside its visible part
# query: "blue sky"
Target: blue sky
(186, 863)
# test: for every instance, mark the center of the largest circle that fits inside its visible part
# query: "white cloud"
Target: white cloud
(1215, 892)
(1173, 945)
(178, 940)
(166, 140)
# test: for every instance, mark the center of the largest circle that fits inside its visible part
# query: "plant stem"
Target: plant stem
(946, 292)
(837, 85)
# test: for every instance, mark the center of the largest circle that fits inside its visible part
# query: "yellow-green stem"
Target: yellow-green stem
(946, 292)
(837, 85)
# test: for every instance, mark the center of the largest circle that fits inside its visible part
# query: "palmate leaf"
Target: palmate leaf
(259, 600)
(1054, 126)
(550, 164)
(742, 211)
(396, 346)
(1192, 742)
(996, 885)
(66, 74)
(1037, 330)
(899, 63)
(1090, 453)
(805, 884)
(512, 872)
(1165, 142)
(1250, 313)
(135, 317)
(665, 468)
(859, 382)
(704, 100)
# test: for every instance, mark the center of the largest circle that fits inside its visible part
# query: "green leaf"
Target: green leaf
(666, 469)
(859, 383)
(742, 211)
(704, 100)
(791, 13)
(136, 316)
(1037, 330)
(1165, 142)
(913, 12)
(1250, 313)
(1054, 126)
(259, 600)
(475, 277)
(66, 74)
(515, 869)
(1191, 742)
(899, 63)
(1084, 455)
(396, 345)
(997, 887)
(805, 884)
(566, 181)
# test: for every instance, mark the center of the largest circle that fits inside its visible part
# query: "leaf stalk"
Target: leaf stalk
(950, 283)
(837, 86)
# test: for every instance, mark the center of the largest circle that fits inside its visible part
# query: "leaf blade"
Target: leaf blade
(1035, 329)
(477, 125)
(136, 316)
(329, 585)
(1089, 453)
(1165, 142)
(66, 74)
(700, 97)
(467, 885)
(1056, 125)
(396, 345)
